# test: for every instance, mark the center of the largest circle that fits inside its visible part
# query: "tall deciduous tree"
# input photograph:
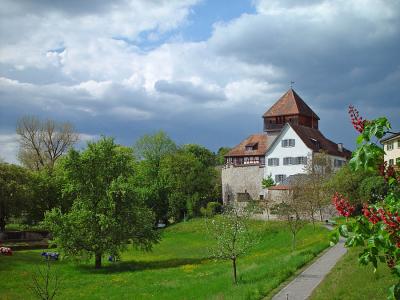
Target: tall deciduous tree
(43, 142)
(317, 195)
(189, 183)
(151, 149)
(46, 186)
(106, 212)
(293, 210)
(14, 191)
(348, 182)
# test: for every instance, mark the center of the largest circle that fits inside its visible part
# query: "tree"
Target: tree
(373, 189)
(45, 282)
(319, 170)
(43, 142)
(377, 230)
(347, 182)
(220, 156)
(106, 212)
(46, 187)
(267, 182)
(151, 149)
(231, 233)
(14, 191)
(189, 184)
(293, 210)
(202, 154)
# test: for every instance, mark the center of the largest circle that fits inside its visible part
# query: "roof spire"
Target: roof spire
(291, 84)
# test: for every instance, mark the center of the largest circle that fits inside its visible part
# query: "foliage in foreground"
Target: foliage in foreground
(377, 231)
(106, 213)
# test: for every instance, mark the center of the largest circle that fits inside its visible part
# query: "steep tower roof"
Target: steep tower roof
(290, 104)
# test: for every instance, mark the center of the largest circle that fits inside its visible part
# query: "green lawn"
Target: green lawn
(349, 280)
(179, 267)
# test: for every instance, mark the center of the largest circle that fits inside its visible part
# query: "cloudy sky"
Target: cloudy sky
(202, 70)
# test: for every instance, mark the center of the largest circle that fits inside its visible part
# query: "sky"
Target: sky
(204, 71)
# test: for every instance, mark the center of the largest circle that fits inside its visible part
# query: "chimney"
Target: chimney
(340, 147)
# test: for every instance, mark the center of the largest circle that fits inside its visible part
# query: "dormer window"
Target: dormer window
(316, 143)
(288, 143)
(251, 146)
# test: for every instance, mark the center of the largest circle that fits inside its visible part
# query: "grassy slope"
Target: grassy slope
(349, 280)
(179, 267)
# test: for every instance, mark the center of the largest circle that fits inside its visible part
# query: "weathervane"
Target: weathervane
(291, 84)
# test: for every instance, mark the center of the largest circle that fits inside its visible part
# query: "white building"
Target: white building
(290, 138)
(294, 146)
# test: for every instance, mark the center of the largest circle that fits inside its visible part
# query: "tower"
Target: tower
(290, 108)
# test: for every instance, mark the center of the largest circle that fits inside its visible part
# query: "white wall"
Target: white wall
(277, 151)
(300, 149)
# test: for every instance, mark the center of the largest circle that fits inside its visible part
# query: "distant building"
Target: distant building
(290, 138)
(391, 145)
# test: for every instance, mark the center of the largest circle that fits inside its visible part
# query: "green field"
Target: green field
(179, 267)
(350, 281)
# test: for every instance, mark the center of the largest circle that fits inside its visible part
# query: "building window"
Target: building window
(262, 160)
(337, 163)
(389, 146)
(287, 161)
(273, 161)
(288, 143)
(391, 162)
(280, 178)
(300, 160)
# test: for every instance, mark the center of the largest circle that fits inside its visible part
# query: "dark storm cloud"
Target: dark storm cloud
(69, 7)
(188, 90)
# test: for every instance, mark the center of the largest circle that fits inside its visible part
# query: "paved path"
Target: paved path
(304, 284)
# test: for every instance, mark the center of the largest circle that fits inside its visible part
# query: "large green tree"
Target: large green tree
(46, 187)
(188, 182)
(348, 182)
(151, 149)
(14, 191)
(202, 154)
(106, 213)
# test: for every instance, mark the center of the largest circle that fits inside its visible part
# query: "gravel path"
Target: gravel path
(304, 284)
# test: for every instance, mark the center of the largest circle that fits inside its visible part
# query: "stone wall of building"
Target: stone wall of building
(238, 180)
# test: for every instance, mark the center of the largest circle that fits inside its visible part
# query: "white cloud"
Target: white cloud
(105, 80)
(9, 147)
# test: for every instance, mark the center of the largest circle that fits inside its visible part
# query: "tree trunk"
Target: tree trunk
(234, 270)
(97, 264)
(320, 214)
(2, 221)
(293, 241)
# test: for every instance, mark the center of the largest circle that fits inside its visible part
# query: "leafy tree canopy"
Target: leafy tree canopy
(106, 212)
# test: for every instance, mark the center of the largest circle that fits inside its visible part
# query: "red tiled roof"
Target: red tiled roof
(315, 140)
(262, 147)
(290, 104)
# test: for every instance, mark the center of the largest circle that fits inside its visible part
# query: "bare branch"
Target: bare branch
(42, 143)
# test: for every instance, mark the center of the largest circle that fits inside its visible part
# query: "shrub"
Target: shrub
(212, 209)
